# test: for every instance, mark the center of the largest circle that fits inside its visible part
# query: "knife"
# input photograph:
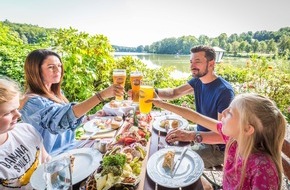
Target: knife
(177, 163)
(87, 139)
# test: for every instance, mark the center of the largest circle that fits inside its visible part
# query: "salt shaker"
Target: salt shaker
(103, 146)
(96, 144)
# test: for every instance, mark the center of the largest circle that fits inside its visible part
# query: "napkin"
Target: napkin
(110, 134)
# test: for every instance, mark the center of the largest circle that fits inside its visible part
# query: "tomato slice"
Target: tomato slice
(129, 140)
(141, 133)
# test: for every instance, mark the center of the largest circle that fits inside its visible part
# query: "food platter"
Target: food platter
(87, 158)
(128, 150)
(189, 171)
(102, 124)
(157, 124)
(118, 108)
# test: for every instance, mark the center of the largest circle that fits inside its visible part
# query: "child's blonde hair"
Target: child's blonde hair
(8, 89)
(269, 129)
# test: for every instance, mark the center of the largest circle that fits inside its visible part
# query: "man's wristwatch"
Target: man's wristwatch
(197, 137)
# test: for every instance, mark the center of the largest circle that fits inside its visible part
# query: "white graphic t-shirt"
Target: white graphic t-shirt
(19, 157)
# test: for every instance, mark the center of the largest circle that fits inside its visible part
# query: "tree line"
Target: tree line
(269, 42)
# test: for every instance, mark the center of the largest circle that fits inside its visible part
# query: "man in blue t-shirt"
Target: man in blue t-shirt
(212, 95)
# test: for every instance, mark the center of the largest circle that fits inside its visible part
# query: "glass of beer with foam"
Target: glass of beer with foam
(135, 80)
(146, 92)
(119, 77)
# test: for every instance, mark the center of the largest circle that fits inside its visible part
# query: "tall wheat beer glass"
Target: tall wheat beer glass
(119, 77)
(146, 92)
(135, 79)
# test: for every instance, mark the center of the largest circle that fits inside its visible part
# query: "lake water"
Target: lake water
(180, 62)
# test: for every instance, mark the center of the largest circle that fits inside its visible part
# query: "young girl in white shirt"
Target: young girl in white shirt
(21, 148)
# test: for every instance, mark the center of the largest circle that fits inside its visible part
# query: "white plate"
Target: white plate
(91, 126)
(183, 123)
(87, 160)
(188, 172)
(119, 110)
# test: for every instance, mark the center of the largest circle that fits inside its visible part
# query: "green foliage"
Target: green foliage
(263, 76)
(31, 34)
(12, 54)
(9, 37)
(231, 73)
(87, 63)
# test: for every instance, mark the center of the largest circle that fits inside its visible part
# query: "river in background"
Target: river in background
(180, 62)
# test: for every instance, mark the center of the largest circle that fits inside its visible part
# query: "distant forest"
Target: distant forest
(269, 42)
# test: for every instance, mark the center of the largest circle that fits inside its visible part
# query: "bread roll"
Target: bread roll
(114, 104)
(168, 160)
(115, 124)
(164, 124)
(175, 124)
(118, 118)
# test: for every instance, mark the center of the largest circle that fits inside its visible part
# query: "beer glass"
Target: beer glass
(135, 79)
(146, 92)
(119, 77)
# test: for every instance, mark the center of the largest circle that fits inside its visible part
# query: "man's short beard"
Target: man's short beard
(199, 74)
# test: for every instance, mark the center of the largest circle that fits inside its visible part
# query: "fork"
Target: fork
(160, 144)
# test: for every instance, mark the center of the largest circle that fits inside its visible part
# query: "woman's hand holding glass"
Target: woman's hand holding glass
(112, 91)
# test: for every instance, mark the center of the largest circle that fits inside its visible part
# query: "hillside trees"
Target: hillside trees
(29, 33)
(250, 42)
(277, 42)
(12, 54)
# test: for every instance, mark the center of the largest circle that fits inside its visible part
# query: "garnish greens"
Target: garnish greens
(114, 160)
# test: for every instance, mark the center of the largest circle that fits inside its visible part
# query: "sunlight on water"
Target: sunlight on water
(149, 64)
(180, 62)
(157, 60)
(175, 74)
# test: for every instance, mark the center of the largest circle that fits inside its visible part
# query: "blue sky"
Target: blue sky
(142, 22)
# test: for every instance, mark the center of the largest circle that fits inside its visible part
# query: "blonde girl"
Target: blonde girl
(253, 129)
(21, 148)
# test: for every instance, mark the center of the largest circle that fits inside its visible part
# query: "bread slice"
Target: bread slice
(169, 160)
